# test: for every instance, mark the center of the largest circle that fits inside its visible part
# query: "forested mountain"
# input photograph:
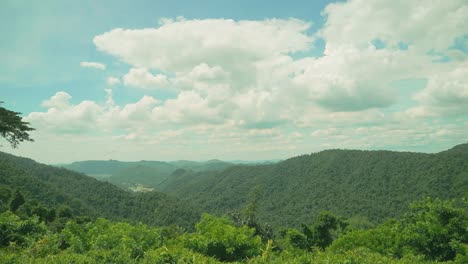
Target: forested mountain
(430, 231)
(147, 173)
(53, 187)
(369, 186)
(365, 185)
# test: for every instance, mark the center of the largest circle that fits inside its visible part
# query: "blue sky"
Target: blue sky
(168, 80)
(48, 39)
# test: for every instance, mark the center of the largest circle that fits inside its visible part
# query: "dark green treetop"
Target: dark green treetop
(16, 201)
(13, 128)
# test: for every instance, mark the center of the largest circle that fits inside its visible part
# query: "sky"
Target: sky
(233, 80)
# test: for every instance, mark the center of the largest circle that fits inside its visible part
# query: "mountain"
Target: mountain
(54, 187)
(210, 165)
(97, 167)
(366, 185)
(373, 185)
(140, 173)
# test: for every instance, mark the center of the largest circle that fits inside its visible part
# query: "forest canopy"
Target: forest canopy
(433, 231)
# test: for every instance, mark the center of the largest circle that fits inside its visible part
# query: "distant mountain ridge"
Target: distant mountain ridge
(128, 174)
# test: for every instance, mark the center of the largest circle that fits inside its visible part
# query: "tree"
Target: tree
(12, 127)
(16, 201)
(248, 216)
(317, 235)
(220, 238)
(433, 228)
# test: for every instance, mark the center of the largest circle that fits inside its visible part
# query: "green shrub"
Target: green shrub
(220, 238)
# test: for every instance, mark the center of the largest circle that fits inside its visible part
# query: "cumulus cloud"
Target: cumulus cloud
(367, 71)
(240, 83)
(88, 116)
(59, 101)
(188, 108)
(183, 44)
(248, 64)
(227, 62)
(139, 111)
(446, 93)
(133, 127)
(62, 116)
(343, 81)
(356, 74)
(142, 78)
(95, 65)
(424, 26)
(111, 80)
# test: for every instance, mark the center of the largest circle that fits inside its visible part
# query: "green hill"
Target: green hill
(140, 175)
(53, 187)
(353, 183)
(364, 185)
(145, 173)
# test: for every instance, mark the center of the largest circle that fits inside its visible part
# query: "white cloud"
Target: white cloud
(148, 129)
(95, 65)
(424, 25)
(59, 101)
(242, 72)
(142, 78)
(201, 77)
(63, 117)
(139, 111)
(183, 44)
(111, 80)
(341, 82)
(354, 74)
(238, 86)
(228, 62)
(446, 93)
(188, 108)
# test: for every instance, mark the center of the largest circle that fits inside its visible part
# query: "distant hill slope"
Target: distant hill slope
(53, 186)
(372, 184)
(140, 175)
(210, 165)
(147, 173)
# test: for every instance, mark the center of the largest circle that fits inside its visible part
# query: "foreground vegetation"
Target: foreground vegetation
(431, 231)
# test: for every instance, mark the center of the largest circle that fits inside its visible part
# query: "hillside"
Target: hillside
(146, 173)
(54, 187)
(364, 185)
(353, 183)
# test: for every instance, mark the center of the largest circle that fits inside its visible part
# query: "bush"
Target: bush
(220, 238)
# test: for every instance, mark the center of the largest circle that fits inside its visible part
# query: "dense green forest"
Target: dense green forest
(369, 186)
(49, 187)
(432, 231)
(272, 213)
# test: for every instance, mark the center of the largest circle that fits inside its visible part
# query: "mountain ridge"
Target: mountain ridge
(375, 184)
